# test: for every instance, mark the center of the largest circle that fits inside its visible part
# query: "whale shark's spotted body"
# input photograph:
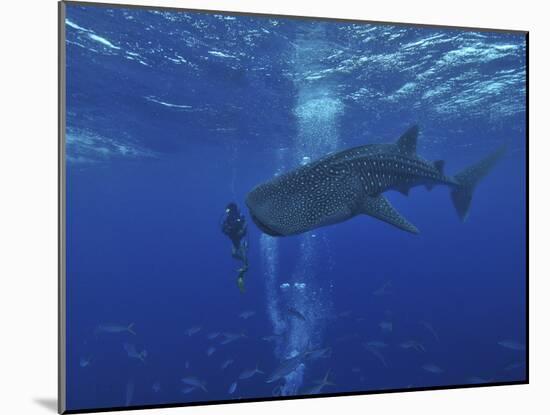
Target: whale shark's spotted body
(342, 185)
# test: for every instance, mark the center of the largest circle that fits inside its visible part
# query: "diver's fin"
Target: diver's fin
(407, 142)
(467, 180)
(131, 328)
(439, 165)
(380, 208)
(240, 284)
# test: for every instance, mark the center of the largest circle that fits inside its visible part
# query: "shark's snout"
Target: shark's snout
(256, 205)
(264, 227)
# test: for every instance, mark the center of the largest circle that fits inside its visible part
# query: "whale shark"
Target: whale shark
(351, 182)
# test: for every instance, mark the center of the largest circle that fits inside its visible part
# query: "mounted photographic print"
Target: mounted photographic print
(259, 207)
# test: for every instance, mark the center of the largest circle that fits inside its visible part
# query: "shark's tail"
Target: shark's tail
(468, 179)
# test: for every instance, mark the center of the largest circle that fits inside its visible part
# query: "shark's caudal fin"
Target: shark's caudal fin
(130, 328)
(468, 179)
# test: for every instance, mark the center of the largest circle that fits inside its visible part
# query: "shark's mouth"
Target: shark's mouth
(263, 227)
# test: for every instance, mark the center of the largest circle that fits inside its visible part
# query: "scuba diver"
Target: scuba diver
(234, 226)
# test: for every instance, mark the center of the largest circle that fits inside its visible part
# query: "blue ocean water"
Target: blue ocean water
(171, 115)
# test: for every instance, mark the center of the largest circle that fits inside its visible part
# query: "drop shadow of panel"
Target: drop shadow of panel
(48, 403)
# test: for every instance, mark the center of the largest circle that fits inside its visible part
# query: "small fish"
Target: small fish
(232, 388)
(432, 368)
(271, 338)
(247, 314)
(376, 343)
(356, 369)
(413, 344)
(430, 328)
(226, 364)
(192, 330)
(133, 352)
(386, 326)
(247, 374)
(129, 393)
(187, 364)
(277, 391)
(115, 328)
(231, 337)
(512, 345)
(156, 387)
(188, 389)
(85, 361)
(376, 353)
(318, 353)
(319, 385)
(193, 381)
(210, 351)
(213, 335)
(285, 368)
(296, 314)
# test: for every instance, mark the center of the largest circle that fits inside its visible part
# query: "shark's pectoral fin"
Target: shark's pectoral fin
(380, 208)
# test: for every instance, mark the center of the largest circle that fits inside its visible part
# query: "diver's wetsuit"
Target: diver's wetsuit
(234, 226)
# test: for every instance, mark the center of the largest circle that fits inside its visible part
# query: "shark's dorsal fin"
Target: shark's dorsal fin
(407, 142)
(439, 165)
(379, 208)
